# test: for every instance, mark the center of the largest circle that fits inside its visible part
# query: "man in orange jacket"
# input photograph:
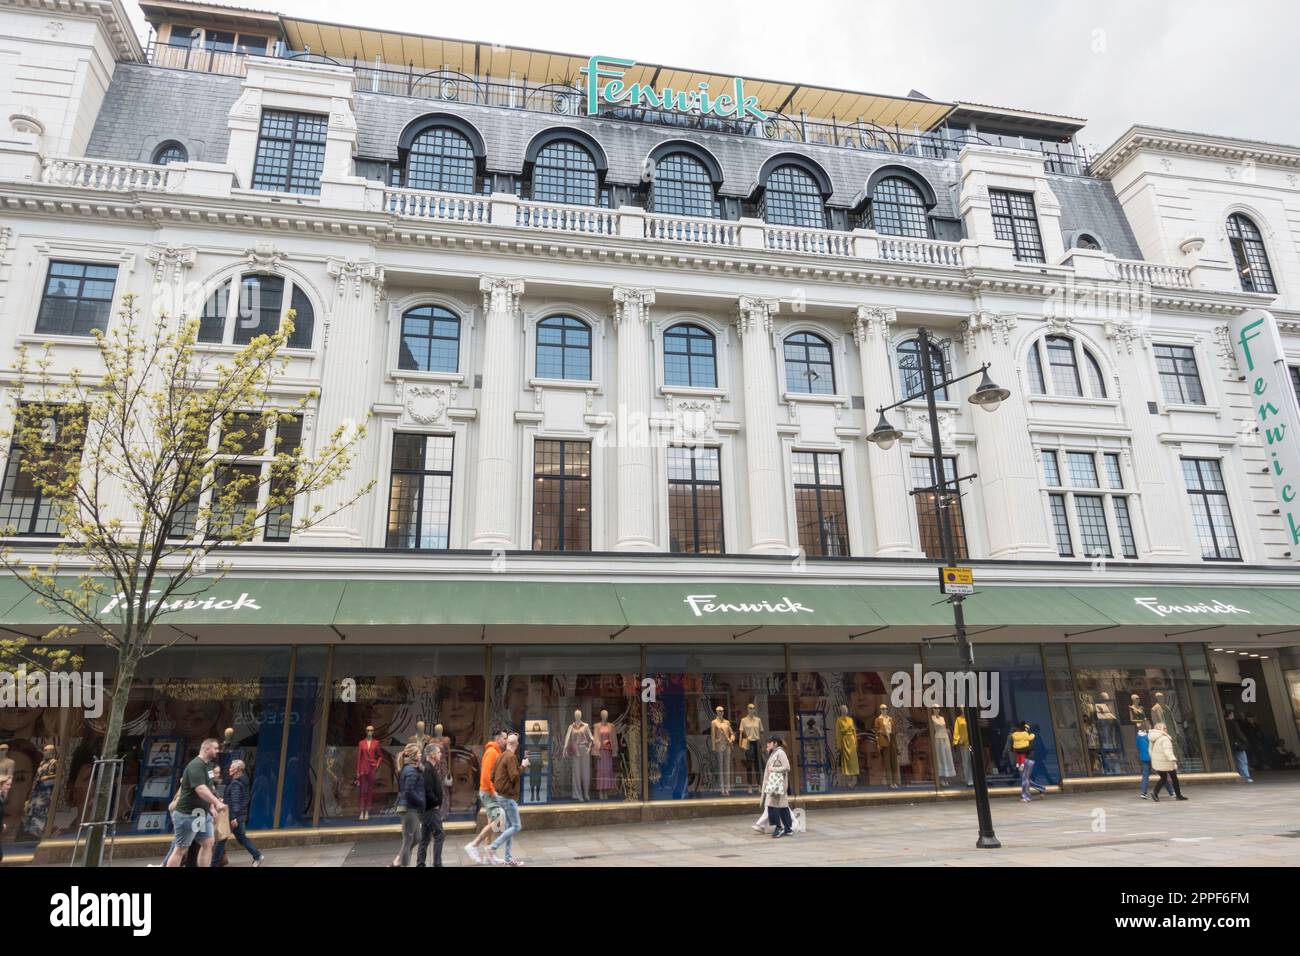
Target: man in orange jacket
(487, 794)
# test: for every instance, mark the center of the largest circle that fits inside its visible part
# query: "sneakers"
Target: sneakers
(1155, 795)
(778, 834)
(1180, 797)
(1145, 796)
(258, 862)
(759, 828)
(514, 862)
(474, 853)
(1025, 800)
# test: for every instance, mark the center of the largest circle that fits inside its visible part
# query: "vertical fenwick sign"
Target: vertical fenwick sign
(1262, 360)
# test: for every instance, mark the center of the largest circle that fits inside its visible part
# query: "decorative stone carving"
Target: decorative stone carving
(263, 257)
(351, 275)
(170, 259)
(1126, 332)
(426, 404)
(918, 422)
(1227, 354)
(501, 294)
(694, 417)
(26, 123)
(871, 324)
(998, 325)
(632, 304)
(754, 314)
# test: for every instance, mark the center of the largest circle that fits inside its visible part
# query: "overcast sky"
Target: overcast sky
(1211, 67)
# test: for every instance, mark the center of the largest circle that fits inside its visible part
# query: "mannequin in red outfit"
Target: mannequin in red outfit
(369, 757)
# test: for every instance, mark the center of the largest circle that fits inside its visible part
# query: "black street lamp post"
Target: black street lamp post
(988, 396)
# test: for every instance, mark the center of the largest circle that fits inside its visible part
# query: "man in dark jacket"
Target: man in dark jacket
(238, 797)
(431, 816)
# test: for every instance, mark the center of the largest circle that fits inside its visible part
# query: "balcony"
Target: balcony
(205, 180)
(445, 86)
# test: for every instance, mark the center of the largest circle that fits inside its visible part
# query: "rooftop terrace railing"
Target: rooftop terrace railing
(447, 86)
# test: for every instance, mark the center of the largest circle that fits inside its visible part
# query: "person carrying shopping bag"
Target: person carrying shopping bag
(776, 777)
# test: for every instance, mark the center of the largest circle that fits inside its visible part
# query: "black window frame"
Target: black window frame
(927, 507)
(100, 306)
(392, 538)
(695, 484)
(689, 334)
(908, 356)
(805, 342)
(170, 152)
(898, 209)
(1250, 255)
(1014, 213)
(406, 359)
(567, 325)
(446, 159)
(1179, 385)
(795, 193)
(680, 186)
(1204, 494)
(564, 178)
(564, 482)
(822, 490)
(217, 326)
(43, 510)
(304, 159)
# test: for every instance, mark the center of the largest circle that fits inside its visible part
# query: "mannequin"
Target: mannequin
(961, 740)
(578, 743)
(944, 768)
(1088, 711)
(1163, 713)
(36, 810)
(884, 728)
(369, 756)
(229, 752)
(332, 783)
(1107, 731)
(721, 737)
(846, 745)
(6, 764)
(1136, 712)
(419, 738)
(443, 741)
(751, 735)
(606, 752)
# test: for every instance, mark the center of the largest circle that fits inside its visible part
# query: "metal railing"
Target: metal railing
(104, 174)
(449, 86)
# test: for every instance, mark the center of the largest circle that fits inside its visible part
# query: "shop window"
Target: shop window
(419, 497)
(24, 504)
(260, 308)
(290, 152)
(578, 710)
(694, 501)
(561, 495)
(928, 505)
(430, 340)
(690, 357)
(1015, 219)
(819, 504)
(564, 348)
(1083, 509)
(77, 299)
(1211, 513)
(809, 366)
(1179, 379)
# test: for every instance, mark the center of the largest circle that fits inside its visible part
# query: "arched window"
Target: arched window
(442, 159)
(564, 348)
(565, 171)
(809, 369)
(1054, 369)
(791, 197)
(897, 209)
(170, 152)
(910, 379)
(1087, 241)
(690, 357)
(262, 304)
(430, 340)
(682, 187)
(1249, 254)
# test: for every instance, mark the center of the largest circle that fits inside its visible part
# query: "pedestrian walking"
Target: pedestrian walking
(776, 781)
(487, 796)
(410, 803)
(1144, 758)
(1022, 745)
(1240, 745)
(507, 776)
(238, 797)
(5, 785)
(431, 819)
(195, 806)
(1164, 762)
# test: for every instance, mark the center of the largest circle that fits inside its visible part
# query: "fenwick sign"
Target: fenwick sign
(732, 105)
(1262, 360)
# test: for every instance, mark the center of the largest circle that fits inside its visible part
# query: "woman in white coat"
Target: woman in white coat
(1164, 761)
(776, 782)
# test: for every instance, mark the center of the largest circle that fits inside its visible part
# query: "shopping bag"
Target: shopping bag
(221, 825)
(800, 819)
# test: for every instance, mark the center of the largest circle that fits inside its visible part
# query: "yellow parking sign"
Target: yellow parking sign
(956, 581)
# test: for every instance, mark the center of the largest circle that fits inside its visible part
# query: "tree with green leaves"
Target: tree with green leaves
(150, 469)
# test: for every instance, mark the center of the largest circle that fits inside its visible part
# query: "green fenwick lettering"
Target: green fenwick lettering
(605, 84)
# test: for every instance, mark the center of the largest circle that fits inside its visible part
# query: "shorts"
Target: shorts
(187, 826)
(490, 805)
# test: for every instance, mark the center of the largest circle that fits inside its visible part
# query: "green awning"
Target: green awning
(1010, 605)
(478, 602)
(746, 605)
(1190, 607)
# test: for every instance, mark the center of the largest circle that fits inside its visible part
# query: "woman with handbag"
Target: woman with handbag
(776, 776)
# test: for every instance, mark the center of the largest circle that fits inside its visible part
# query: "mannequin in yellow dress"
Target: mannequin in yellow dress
(846, 745)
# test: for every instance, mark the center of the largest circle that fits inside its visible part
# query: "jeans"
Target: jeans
(187, 826)
(431, 829)
(1027, 779)
(1146, 775)
(410, 834)
(1243, 763)
(511, 810)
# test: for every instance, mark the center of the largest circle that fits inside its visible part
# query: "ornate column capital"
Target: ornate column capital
(500, 293)
(871, 323)
(1127, 332)
(755, 314)
(632, 304)
(169, 259)
(352, 275)
(997, 326)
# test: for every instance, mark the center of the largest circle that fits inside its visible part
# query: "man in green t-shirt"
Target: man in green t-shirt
(195, 806)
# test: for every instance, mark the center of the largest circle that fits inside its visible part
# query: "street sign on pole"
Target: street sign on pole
(956, 581)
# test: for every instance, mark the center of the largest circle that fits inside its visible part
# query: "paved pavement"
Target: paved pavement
(1237, 824)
